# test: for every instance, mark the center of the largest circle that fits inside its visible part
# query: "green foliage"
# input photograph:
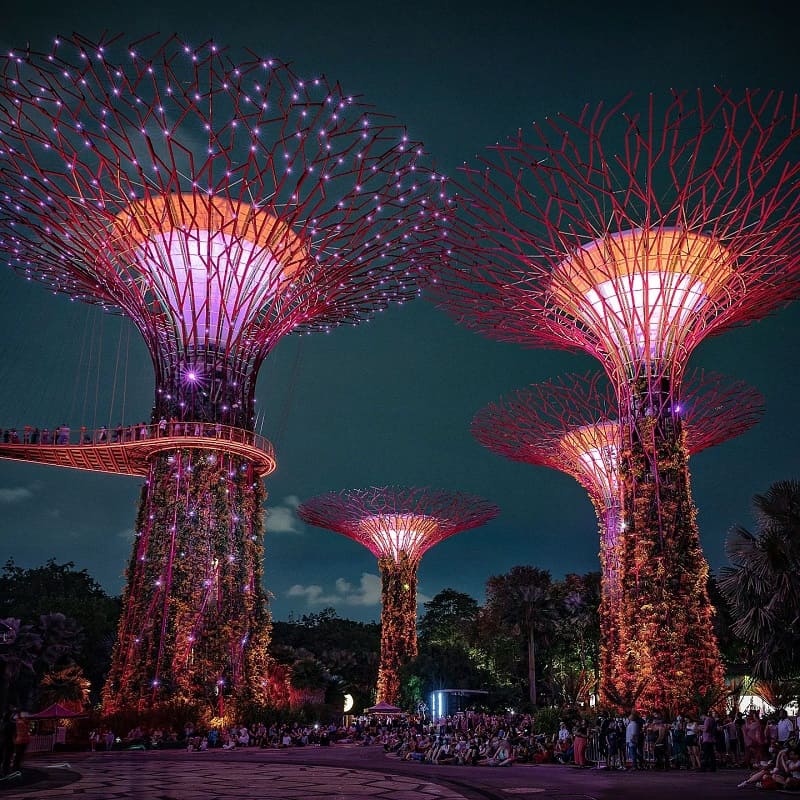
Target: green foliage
(67, 686)
(523, 602)
(546, 721)
(574, 652)
(446, 667)
(28, 594)
(763, 584)
(308, 673)
(450, 619)
(348, 650)
(733, 648)
(27, 651)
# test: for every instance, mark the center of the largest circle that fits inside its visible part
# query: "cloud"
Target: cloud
(15, 494)
(367, 593)
(282, 518)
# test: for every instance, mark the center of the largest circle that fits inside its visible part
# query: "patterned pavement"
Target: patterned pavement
(342, 772)
(137, 776)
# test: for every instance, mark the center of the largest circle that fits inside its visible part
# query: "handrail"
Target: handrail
(129, 434)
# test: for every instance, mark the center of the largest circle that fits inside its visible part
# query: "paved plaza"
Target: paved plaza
(354, 773)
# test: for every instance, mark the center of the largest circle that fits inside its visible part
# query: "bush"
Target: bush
(546, 721)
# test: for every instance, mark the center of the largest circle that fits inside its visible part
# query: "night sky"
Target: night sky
(391, 401)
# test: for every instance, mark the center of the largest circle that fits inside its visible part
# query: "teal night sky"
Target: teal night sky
(391, 401)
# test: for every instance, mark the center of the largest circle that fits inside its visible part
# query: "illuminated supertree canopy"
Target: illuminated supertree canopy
(632, 233)
(398, 525)
(219, 205)
(571, 424)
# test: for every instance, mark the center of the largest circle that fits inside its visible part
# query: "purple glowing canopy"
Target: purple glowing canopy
(219, 204)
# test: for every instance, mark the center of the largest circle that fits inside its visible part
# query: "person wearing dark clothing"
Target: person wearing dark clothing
(7, 733)
(708, 745)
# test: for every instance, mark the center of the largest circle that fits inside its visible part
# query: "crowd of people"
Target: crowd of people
(63, 434)
(766, 745)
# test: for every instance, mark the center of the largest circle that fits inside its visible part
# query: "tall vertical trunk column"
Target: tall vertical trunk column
(668, 655)
(398, 623)
(610, 596)
(195, 622)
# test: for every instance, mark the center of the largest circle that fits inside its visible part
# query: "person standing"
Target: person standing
(633, 735)
(579, 746)
(785, 729)
(661, 754)
(7, 731)
(22, 737)
(708, 745)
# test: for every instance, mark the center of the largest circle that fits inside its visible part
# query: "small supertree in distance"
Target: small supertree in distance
(219, 205)
(397, 525)
(632, 232)
(572, 424)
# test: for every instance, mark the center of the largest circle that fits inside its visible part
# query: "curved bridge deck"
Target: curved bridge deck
(129, 450)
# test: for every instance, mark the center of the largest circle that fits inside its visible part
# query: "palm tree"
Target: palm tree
(524, 600)
(67, 686)
(763, 584)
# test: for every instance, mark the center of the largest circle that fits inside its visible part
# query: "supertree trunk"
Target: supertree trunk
(610, 595)
(668, 656)
(196, 623)
(398, 623)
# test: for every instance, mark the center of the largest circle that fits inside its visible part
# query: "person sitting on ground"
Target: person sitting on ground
(777, 773)
(502, 757)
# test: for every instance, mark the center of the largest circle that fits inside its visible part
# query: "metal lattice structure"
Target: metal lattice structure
(571, 424)
(397, 525)
(220, 205)
(633, 232)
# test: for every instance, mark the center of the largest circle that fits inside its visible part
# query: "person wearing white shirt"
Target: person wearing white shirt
(785, 729)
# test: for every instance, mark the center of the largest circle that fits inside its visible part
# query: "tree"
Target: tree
(19, 646)
(27, 594)
(67, 686)
(450, 619)
(27, 651)
(523, 600)
(763, 584)
(347, 649)
(575, 650)
(734, 651)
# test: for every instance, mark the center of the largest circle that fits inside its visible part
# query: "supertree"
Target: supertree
(572, 424)
(219, 206)
(632, 233)
(398, 525)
